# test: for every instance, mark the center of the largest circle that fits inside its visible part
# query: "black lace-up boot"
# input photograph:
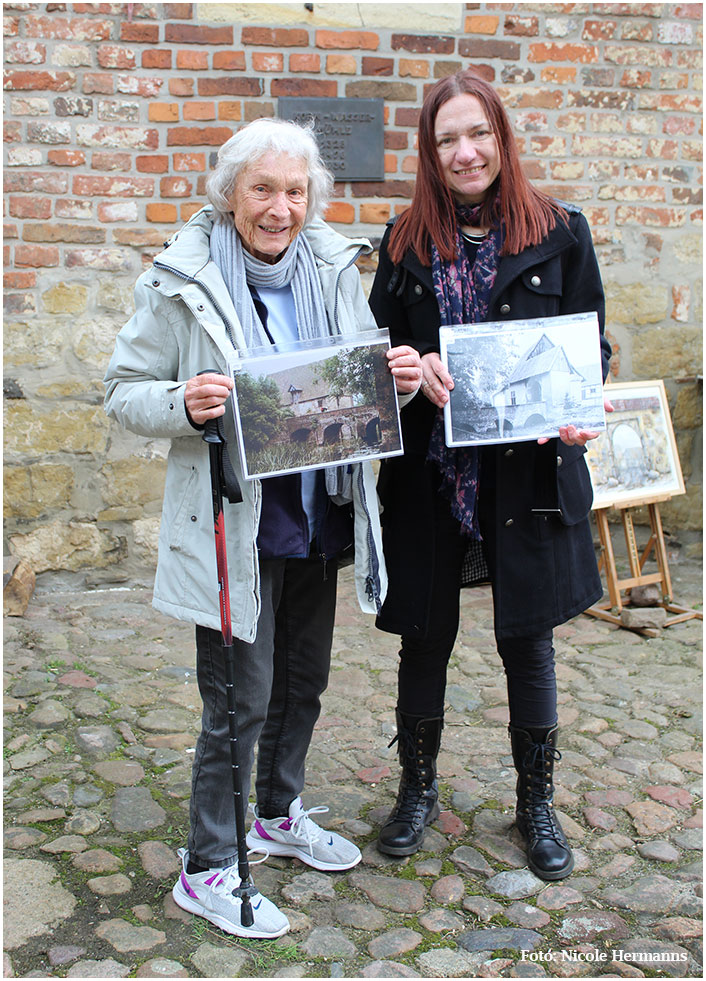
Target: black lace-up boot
(534, 753)
(417, 804)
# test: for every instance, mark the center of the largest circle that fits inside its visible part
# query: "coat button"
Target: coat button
(536, 281)
(509, 452)
(171, 405)
(194, 518)
(505, 308)
(201, 307)
(509, 522)
(155, 282)
(418, 289)
(559, 461)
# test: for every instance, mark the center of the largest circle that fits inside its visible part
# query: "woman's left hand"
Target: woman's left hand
(572, 436)
(406, 366)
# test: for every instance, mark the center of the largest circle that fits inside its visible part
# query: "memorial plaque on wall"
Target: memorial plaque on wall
(349, 133)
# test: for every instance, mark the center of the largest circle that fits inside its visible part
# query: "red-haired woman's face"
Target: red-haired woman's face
(468, 149)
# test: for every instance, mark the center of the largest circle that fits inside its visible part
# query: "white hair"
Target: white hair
(258, 138)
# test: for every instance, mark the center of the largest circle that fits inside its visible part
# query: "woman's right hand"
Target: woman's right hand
(437, 381)
(205, 396)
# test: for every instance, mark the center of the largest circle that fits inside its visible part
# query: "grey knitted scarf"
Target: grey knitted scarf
(296, 268)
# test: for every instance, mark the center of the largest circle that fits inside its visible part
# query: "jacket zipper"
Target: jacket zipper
(206, 290)
(338, 280)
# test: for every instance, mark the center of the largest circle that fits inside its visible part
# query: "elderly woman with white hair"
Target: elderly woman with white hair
(258, 266)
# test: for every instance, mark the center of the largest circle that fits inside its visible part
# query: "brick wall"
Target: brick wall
(113, 113)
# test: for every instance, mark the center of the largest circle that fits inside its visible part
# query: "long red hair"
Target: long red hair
(525, 212)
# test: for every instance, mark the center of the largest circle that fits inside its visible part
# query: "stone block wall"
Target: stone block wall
(113, 113)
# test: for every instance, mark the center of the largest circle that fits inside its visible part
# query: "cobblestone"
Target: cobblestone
(101, 717)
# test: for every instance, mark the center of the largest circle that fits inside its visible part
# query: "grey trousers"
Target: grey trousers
(279, 681)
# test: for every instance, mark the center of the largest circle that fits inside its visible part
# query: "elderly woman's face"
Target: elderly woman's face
(468, 151)
(269, 204)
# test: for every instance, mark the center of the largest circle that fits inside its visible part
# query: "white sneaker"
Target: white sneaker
(210, 894)
(297, 836)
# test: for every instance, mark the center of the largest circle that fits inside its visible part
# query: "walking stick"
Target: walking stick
(223, 477)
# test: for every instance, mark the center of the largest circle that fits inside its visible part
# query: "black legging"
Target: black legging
(528, 661)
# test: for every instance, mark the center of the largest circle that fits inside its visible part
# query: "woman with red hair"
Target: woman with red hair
(480, 243)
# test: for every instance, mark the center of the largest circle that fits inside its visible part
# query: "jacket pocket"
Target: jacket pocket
(185, 514)
(575, 491)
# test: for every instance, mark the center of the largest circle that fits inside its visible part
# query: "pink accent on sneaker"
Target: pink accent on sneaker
(261, 831)
(286, 825)
(187, 888)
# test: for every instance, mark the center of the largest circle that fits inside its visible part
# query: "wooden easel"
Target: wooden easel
(611, 610)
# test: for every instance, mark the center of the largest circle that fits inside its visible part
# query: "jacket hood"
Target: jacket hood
(188, 249)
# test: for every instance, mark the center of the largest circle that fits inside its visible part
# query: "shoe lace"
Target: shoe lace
(304, 827)
(229, 880)
(539, 812)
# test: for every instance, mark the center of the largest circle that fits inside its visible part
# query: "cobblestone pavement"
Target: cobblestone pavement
(101, 715)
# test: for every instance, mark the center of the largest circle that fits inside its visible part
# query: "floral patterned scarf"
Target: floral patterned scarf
(463, 294)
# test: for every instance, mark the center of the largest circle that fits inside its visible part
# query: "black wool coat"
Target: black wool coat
(544, 563)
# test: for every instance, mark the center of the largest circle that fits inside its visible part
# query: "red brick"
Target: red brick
(633, 78)
(345, 40)
(134, 137)
(73, 29)
(666, 149)
(113, 56)
(383, 189)
(175, 187)
(147, 88)
(413, 68)
(12, 131)
(156, 58)
(599, 30)
(163, 112)
(32, 207)
(193, 34)
(476, 24)
(192, 136)
(92, 185)
(56, 232)
(257, 110)
(390, 163)
(18, 303)
(139, 32)
(583, 53)
(395, 141)
(179, 11)
(181, 86)
(100, 84)
(36, 255)
(195, 61)
(278, 37)
(340, 64)
(16, 280)
(11, 26)
(139, 237)
(312, 87)
(637, 54)
(160, 212)
(199, 110)
(107, 260)
(230, 110)
(229, 86)
(679, 124)
(652, 217)
(229, 61)
(71, 208)
(189, 208)
(185, 162)
(688, 195)
(268, 61)
(407, 117)
(479, 48)
(111, 160)
(558, 74)
(423, 43)
(378, 66)
(25, 53)
(22, 81)
(66, 158)
(374, 213)
(340, 211)
(152, 163)
(304, 62)
(33, 181)
(521, 26)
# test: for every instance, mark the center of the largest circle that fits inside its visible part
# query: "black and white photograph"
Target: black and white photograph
(522, 379)
(314, 404)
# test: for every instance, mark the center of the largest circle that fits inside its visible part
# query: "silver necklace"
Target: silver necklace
(474, 239)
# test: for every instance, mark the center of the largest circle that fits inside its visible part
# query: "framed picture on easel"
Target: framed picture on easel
(635, 460)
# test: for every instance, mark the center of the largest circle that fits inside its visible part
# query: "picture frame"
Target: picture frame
(316, 403)
(635, 460)
(522, 379)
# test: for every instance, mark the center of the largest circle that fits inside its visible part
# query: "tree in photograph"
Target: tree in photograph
(350, 373)
(261, 414)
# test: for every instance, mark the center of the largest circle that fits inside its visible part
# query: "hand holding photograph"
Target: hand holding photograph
(522, 379)
(313, 404)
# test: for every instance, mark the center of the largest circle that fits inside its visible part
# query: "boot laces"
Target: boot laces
(538, 810)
